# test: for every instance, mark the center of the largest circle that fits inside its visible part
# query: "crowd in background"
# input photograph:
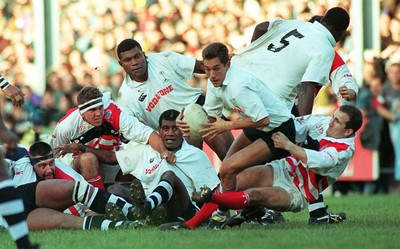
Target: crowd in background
(91, 29)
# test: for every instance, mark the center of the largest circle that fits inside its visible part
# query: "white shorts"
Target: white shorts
(283, 180)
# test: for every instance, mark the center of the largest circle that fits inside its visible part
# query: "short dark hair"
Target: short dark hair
(39, 149)
(337, 19)
(215, 50)
(88, 93)
(169, 115)
(355, 117)
(127, 45)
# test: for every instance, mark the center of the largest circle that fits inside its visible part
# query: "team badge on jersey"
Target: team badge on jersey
(142, 97)
(107, 114)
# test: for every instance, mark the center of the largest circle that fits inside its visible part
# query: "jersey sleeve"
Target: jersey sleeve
(319, 66)
(127, 125)
(181, 64)
(23, 171)
(133, 129)
(341, 76)
(327, 159)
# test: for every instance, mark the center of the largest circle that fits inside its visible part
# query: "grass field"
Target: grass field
(373, 222)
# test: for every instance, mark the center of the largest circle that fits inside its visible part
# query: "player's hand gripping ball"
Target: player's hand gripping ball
(194, 115)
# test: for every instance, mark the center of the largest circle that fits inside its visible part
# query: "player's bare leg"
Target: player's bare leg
(254, 154)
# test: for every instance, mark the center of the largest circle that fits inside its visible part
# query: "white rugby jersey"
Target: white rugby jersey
(23, 173)
(73, 129)
(290, 52)
(192, 166)
(340, 75)
(164, 89)
(245, 94)
(323, 167)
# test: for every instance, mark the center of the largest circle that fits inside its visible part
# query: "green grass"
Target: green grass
(373, 222)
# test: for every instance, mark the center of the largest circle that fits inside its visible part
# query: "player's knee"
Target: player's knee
(87, 163)
(169, 176)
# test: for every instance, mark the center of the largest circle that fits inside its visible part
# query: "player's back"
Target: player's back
(290, 52)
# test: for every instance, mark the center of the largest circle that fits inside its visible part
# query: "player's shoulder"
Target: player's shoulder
(71, 117)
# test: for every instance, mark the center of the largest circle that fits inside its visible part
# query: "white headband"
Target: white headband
(90, 104)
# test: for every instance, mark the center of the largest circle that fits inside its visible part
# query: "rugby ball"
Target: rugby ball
(194, 115)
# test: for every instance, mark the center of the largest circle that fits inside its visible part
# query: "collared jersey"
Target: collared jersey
(192, 166)
(290, 52)
(324, 166)
(73, 129)
(164, 89)
(23, 173)
(340, 75)
(244, 94)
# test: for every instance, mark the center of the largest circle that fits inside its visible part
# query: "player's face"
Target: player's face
(170, 134)
(337, 125)
(134, 63)
(216, 71)
(94, 116)
(45, 169)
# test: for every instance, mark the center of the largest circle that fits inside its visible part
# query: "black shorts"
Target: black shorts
(28, 195)
(286, 128)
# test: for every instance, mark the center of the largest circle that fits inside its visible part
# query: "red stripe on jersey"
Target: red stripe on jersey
(112, 115)
(324, 183)
(306, 187)
(338, 146)
(67, 114)
(337, 62)
(59, 174)
(292, 173)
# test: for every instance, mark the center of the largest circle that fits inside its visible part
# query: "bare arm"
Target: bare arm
(199, 67)
(12, 92)
(306, 98)
(220, 126)
(104, 156)
(259, 30)
(386, 113)
(7, 136)
(282, 142)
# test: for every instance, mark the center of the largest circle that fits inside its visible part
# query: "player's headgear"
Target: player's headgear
(40, 151)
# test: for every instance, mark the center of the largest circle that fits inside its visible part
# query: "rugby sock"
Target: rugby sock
(98, 222)
(98, 199)
(204, 213)
(231, 200)
(317, 208)
(161, 194)
(12, 209)
(96, 182)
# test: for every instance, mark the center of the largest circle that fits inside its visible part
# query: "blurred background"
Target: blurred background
(51, 48)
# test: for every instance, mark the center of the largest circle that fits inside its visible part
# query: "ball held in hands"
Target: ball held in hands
(194, 116)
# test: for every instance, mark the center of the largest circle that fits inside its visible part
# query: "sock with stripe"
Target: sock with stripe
(96, 182)
(317, 208)
(99, 222)
(12, 209)
(161, 194)
(98, 199)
